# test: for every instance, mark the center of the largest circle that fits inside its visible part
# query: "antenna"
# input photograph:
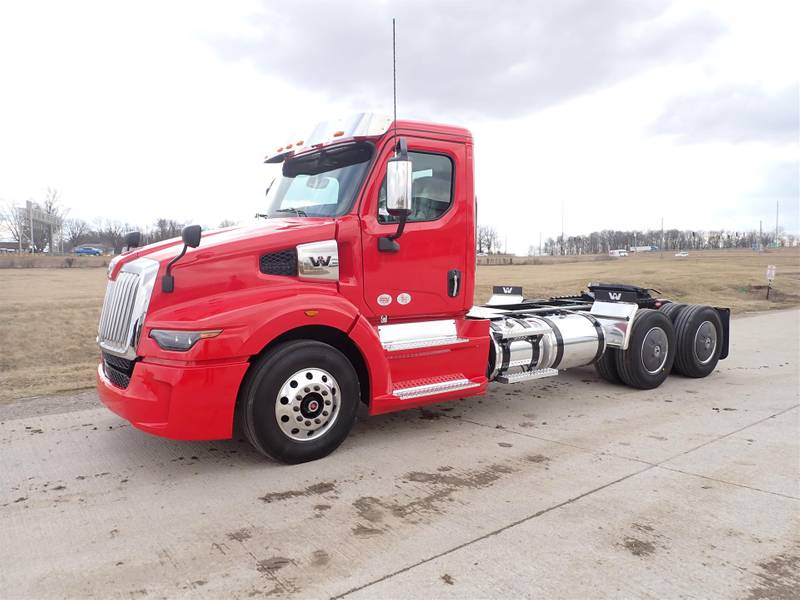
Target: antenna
(394, 80)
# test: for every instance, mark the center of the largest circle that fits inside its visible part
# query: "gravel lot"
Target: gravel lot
(566, 487)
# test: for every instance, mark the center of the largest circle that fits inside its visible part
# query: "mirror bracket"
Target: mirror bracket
(191, 237)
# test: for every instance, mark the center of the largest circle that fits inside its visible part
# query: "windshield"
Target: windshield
(322, 184)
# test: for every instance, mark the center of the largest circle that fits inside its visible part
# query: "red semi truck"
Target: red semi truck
(358, 287)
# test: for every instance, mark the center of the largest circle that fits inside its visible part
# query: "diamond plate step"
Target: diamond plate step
(527, 375)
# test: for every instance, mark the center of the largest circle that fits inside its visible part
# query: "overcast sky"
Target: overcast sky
(623, 112)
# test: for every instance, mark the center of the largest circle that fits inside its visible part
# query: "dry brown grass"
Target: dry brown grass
(48, 317)
(48, 323)
(733, 278)
(40, 261)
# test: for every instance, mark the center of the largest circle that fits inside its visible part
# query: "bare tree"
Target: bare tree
(75, 232)
(488, 239)
(227, 223)
(13, 221)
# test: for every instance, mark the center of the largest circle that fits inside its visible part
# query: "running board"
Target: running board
(430, 389)
(527, 375)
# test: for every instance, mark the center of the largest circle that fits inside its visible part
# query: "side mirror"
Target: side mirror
(191, 239)
(133, 239)
(398, 195)
(191, 235)
(398, 187)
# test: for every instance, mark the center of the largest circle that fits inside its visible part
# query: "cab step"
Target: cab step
(432, 386)
(527, 375)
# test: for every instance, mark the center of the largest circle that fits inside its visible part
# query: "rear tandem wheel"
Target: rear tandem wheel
(651, 351)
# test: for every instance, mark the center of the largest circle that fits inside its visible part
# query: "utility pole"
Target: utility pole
(760, 235)
(563, 247)
(30, 214)
(777, 205)
(540, 243)
(662, 237)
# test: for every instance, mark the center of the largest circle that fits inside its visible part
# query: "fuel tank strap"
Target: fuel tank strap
(559, 342)
(601, 337)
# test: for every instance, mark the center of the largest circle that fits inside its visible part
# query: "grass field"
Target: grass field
(48, 317)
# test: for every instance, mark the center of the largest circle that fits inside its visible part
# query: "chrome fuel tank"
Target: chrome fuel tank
(559, 342)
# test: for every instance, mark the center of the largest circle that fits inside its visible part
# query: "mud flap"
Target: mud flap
(725, 318)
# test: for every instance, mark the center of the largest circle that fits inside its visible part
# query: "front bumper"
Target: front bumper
(178, 402)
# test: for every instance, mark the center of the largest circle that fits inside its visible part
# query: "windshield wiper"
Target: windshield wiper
(299, 213)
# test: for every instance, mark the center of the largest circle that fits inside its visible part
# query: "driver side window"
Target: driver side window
(431, 188)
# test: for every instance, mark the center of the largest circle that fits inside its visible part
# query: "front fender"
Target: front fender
(250, 321)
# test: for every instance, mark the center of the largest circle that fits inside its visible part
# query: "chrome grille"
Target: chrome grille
(124, 307)
(117, 311)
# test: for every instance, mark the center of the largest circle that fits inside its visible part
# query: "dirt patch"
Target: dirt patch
(779, 578)
(364, 531)
(316, 489)
(638, 547)
(270, 565)
(441, 486)
(369, 508)
(537, 458)
(319, 558)
(240, 535)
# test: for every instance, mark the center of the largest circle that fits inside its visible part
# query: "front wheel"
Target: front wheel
(651, 351)
(299, 401)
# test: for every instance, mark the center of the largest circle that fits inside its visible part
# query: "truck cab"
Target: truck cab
(355, 287)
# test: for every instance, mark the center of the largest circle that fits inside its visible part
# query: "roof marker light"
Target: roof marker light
(338, 133)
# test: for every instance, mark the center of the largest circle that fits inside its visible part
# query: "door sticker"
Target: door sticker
(385, 300)
(403, 298)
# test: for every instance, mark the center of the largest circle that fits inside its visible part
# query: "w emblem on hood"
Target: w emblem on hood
(320, 261)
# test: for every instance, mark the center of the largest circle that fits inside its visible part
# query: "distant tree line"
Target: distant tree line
(70, 233)
(601, 242)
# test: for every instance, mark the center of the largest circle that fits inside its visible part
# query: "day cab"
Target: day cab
(284, 327)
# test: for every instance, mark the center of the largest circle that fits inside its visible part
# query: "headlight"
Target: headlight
(180, 340)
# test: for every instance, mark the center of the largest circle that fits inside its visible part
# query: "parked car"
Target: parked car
(88, 251)
(681, 254)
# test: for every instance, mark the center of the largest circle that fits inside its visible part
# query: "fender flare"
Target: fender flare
(330, 311)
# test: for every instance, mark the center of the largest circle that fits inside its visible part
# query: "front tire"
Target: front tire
(299, 401)
(651, 351)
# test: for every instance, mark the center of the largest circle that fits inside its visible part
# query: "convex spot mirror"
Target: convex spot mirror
(133, 239)
(191, 235)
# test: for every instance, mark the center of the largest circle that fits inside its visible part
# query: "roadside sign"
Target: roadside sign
(770, 272)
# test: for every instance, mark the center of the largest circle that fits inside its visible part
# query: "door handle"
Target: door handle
(453, 283)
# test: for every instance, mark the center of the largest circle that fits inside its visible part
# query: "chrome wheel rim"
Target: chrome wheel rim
(705, 342)
(307, 404)
(655, 348)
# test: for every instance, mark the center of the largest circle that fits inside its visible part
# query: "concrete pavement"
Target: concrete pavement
(565, 487)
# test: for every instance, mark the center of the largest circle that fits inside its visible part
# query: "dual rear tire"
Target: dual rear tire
(678, 337)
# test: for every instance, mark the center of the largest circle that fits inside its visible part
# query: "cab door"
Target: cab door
(423, 279)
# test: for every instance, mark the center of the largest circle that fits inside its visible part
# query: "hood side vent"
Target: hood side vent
(282, 262)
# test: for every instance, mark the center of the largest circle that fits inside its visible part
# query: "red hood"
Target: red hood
(269, 233)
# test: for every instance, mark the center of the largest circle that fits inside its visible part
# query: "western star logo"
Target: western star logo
(320, 261)
(507, 290)
(615, 295)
